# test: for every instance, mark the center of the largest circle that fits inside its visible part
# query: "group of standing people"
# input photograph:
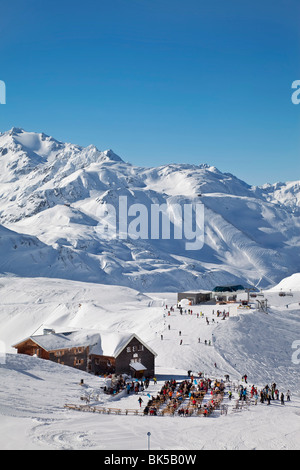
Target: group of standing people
(265, 395)
(136, 386)
(272, 393)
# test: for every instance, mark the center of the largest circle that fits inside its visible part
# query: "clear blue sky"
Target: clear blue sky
(159, 81)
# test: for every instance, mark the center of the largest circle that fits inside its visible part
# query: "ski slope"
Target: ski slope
(34, 392)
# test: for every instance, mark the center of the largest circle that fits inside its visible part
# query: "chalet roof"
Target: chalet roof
(112, 344)
(101, 343)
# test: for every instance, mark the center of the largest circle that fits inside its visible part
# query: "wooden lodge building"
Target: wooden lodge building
(96, 352)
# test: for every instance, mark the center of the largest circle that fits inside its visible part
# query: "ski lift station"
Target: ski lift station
(218, 294)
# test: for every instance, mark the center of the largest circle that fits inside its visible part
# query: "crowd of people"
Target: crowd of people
(122, 381)
(186, 397)
(265, 395)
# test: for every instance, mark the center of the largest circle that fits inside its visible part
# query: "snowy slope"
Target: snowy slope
(55, 191)
(291, 283)
(28, 305)
(285, 194)
(34, 392)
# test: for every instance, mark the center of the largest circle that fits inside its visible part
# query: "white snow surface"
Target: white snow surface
(34, 391)
(52, 194)
(58, 271)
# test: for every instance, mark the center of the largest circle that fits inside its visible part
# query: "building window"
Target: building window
(78, 350)
(134, 348)
(78, 362)
(128, 349)
(141, 347)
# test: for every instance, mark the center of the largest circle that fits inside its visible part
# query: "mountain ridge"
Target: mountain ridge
(55, 191)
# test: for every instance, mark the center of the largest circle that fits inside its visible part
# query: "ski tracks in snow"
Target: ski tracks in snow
(50, 434)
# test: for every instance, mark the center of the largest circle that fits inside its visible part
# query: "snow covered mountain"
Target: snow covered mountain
(52, 195)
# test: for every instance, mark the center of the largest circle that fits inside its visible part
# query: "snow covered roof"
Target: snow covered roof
(112, 344)
(137, 366)
(101, 343)
(66, 340)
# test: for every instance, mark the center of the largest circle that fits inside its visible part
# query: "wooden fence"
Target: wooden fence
(100, 409)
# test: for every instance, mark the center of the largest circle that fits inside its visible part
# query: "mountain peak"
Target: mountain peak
(44, 145)
(111, 155)
(15, 131)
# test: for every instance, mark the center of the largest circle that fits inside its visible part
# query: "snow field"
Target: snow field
(33, 392)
